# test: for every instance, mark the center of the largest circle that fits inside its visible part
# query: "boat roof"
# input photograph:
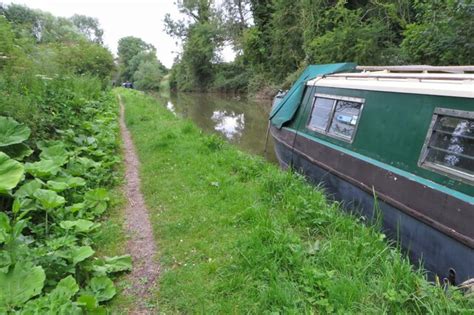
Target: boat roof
(456, 81)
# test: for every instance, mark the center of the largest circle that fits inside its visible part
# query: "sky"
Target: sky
(120, 18)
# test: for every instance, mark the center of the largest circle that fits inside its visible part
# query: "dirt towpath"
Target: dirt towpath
(141, 244)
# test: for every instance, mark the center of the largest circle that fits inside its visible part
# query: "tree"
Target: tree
(286, 39)
(237, 18)
(46, 28)
(148, 75)
(442, 34)
(257, 40)
(129, 47)
(89, 27)
(201, 35)
(85, 57)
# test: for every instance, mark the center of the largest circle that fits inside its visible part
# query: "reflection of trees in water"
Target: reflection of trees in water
(456, 143)
(252, 123)
(231, 125)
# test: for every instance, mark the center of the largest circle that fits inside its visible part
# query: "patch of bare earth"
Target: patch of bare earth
(141, 244)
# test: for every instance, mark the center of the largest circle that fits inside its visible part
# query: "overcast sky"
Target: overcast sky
(120, 18)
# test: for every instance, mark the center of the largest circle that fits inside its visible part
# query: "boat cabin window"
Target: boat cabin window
(449, 146)
(335, 116)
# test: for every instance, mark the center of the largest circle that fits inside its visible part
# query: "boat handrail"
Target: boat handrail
(417, 76)
(418, 68)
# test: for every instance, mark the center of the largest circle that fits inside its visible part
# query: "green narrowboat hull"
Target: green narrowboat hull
(440, 248)
(383, 156)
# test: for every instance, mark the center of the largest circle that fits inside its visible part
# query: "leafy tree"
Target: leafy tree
(148, 75)
(276, 38)
(89, 27)
(286, 39)
(202, 36)
(42, 26)
(442, 34)
(129, 47)
(237, 19)
(85, 57)
(257, 40)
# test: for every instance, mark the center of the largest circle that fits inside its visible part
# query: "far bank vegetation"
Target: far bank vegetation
(275, 39)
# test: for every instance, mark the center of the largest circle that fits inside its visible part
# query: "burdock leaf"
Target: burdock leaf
(49, 199)
(81, 225)
(102, 288)
(43, 169)
(28, 188)
(17, 151)
(112, 264)
(20, 284)
(81, 253)
(12, 132)
(11, 172)
(56, 152)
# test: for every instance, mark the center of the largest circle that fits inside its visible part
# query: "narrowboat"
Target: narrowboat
(398, 141)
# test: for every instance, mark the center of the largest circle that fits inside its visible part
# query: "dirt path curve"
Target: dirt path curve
(141, 244)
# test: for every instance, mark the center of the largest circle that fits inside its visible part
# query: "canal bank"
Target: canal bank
(237, 235)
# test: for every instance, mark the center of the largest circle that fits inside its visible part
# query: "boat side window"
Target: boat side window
(449, 145)
(321, 114)
(336, 116)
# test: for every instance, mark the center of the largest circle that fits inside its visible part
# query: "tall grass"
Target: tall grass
(237, 235)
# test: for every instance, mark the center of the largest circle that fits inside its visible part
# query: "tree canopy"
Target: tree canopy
(274, 39)
(138, 63)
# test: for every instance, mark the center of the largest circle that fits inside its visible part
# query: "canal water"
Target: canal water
(237, 119)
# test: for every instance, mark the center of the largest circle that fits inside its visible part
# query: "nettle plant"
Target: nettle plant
(50, 200)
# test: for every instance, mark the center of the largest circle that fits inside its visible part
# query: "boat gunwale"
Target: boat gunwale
(466, 240)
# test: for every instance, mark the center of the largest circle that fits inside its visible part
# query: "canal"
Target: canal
(240, 121)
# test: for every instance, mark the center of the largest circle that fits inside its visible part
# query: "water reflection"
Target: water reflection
(231, 125)
(241, 121)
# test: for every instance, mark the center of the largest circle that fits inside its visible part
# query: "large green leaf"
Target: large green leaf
(28, 188)
(67, 287)
(63, 183)
(57, 301)
(112, 264)
(97, 199)
(20, 284)
(76, 207)
(57, 186)
(79, 254)
(17, 151)
(56, 152)
(49, 199)
(11, 172)
(12, 132)
(102, 288)
(80, 226)
(43, 169)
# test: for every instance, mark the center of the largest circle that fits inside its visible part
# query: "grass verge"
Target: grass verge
(237, 235)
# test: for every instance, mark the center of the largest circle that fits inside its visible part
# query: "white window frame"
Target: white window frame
(442, 169)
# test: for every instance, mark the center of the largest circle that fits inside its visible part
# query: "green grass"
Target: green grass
(237, 235)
